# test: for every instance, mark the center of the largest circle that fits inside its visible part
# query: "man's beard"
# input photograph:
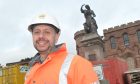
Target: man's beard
(49, 48)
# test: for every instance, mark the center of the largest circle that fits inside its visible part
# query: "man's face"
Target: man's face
(44, 38)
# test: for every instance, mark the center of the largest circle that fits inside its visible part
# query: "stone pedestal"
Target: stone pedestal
(89, 45)
(137, 61)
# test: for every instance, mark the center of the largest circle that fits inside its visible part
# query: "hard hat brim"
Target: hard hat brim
(32, 26)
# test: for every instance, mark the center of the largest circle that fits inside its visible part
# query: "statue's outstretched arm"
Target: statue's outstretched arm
(82, 8)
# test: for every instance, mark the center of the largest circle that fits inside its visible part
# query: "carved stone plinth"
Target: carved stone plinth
(89, 45)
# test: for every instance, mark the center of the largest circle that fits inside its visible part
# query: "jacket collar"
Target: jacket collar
(37, 57)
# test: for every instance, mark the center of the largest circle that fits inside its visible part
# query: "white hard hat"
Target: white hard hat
(44, 19)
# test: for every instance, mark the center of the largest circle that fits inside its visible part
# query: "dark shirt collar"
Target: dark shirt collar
(35, 59)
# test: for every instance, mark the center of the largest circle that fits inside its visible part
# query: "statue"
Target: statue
(90, 24)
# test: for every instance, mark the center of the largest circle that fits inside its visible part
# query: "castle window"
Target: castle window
(113, 42)
(126, 39)
(138, 35)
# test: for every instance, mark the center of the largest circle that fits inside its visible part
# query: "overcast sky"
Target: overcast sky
(15, 15)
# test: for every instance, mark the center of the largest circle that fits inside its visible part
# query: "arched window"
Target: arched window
(126, 39)
(138, 36)
(113, 42)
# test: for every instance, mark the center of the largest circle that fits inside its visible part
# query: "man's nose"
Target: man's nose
(41, 35)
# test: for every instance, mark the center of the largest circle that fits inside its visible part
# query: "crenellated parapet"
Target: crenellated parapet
(130, 24)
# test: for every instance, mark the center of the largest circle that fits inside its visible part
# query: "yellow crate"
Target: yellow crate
(5, 71)
(0, 79)
(5, 80)
(13, 74)
(13, 69)
(13, 79)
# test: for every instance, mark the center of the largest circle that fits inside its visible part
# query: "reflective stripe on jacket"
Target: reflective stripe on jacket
(78, 70)
(64, 69)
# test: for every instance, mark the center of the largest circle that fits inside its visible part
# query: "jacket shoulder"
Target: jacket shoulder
(79, 59)
(81, 69)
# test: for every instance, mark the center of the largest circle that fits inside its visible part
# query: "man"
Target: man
(53, 64)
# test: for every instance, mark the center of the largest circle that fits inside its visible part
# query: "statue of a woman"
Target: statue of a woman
(90, 24)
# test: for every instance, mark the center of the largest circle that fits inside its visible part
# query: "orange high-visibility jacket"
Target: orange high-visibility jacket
(80, 71)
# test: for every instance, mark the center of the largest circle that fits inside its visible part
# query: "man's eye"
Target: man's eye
(36, 32)
(46, 32)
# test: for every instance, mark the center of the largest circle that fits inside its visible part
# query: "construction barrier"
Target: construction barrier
(13, 74)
